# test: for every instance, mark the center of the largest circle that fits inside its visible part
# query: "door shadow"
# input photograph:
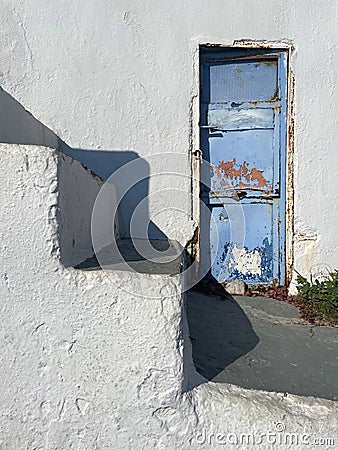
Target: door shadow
(219, 330)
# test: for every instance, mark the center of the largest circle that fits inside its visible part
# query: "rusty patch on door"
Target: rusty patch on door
(238, 176)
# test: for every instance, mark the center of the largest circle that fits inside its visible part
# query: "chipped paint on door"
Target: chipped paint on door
(243, 136)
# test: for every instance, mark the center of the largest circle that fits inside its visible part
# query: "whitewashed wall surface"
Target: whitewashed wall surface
(122, 77)
(84, 364)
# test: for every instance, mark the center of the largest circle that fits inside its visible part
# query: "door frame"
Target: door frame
(196, 153)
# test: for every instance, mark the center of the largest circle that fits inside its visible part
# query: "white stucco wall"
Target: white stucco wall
(86, 365)
(77, 192)
(121, 76)
(83, 363)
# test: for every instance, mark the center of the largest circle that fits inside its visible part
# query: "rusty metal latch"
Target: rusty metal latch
(197, 153)
(241, 194)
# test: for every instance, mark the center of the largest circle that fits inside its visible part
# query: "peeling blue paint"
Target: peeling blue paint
(265, 252)
(243, 134)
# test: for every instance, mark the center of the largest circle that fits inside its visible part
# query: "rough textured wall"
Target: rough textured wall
(83, 362)
(120, 76)
(86, 365)
(77, 192)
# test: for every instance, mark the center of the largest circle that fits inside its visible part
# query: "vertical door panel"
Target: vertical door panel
(243, 81)
(242, 160)
(251, 260)
(242, 112)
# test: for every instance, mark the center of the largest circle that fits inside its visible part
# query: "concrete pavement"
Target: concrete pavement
(261, 343)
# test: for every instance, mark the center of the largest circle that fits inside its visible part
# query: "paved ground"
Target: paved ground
(260, 343)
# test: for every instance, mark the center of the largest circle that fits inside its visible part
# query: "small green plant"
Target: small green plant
(320, 297)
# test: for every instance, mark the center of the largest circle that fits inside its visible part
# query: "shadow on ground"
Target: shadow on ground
(220, 331)
(261, 343)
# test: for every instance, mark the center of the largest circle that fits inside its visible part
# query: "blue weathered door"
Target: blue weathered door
(243, 136)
